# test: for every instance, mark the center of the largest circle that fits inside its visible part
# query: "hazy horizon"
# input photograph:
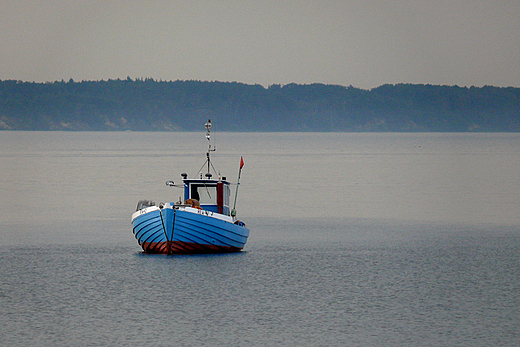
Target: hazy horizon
(363, 44)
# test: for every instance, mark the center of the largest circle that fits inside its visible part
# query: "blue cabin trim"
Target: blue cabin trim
(212, 195)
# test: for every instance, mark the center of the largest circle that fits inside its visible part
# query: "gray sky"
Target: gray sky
(364, 43)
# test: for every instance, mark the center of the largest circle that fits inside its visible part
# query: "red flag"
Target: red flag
(241, 163)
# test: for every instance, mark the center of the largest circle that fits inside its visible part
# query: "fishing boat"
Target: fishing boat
(202, 222)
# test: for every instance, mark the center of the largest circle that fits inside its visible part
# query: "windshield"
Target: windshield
(206, 194)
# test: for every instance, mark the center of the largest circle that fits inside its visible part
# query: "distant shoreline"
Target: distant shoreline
(150, 105)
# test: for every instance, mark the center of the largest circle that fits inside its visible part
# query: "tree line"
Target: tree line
(152, 105)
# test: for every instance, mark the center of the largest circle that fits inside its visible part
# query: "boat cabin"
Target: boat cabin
(213, 195)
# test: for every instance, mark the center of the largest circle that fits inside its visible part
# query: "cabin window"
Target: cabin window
(226, 195)
(205, 194)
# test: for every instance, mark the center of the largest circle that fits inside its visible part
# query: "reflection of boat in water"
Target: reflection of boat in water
(203, 223)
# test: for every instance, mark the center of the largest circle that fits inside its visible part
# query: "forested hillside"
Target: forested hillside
(150, 105)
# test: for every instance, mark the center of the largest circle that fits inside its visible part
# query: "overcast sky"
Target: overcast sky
(363, 43)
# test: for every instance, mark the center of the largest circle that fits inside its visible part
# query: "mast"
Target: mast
(208, 137)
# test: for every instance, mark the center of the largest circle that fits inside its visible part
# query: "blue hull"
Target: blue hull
(178, 231)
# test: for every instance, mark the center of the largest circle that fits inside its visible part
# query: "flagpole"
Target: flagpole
(233, 211)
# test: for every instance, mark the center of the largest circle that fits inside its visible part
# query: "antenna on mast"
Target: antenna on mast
(208, 137)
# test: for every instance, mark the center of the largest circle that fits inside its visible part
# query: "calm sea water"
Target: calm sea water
(356, 240)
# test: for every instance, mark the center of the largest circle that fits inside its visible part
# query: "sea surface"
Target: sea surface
(356, 240)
